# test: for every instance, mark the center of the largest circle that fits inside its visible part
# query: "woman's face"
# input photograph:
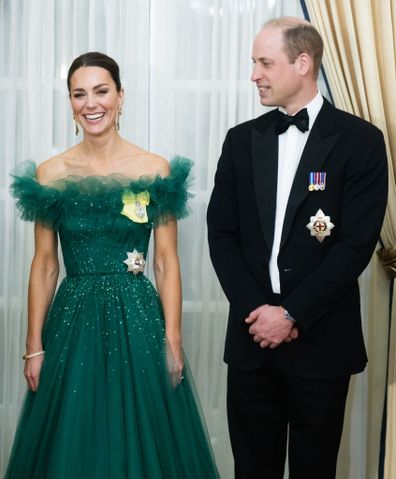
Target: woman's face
(94, 99)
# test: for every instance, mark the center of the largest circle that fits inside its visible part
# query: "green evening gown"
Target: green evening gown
(105, 407)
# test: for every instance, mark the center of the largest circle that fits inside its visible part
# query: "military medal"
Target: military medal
(320, 226)
(135, 206)
(140, 210)
(317, 181)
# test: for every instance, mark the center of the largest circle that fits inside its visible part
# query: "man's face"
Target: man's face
(277, 79)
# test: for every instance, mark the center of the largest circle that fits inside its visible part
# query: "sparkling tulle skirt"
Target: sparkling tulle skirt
(105, 407)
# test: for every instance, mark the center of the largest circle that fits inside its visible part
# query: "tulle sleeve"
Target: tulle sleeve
(170, 194)
(34, 201)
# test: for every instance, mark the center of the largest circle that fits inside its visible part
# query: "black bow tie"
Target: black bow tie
(300, 120)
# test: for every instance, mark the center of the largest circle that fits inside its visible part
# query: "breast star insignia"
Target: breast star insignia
(320, 225)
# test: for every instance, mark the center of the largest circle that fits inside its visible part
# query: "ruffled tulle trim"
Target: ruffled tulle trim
(35, 202)
(46, 203)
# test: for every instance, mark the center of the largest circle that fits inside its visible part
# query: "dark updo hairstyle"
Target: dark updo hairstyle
(96, 59)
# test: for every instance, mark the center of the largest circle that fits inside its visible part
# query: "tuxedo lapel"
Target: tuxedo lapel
(265, 174)
(320, 143)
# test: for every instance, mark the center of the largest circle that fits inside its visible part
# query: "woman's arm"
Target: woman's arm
(167, 276)
(42, 283)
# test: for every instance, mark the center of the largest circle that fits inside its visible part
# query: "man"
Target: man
(295, 214)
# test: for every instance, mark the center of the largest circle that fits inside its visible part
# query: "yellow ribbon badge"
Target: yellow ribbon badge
(135, 206)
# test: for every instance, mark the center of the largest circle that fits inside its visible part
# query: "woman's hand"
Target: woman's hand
(175, 362)
(31, 372)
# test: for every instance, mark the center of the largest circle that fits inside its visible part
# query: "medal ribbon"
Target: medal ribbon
(135, 206)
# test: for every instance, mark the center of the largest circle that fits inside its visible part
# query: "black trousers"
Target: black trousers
(266, 406)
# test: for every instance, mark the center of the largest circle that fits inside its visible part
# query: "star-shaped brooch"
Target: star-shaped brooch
(320, 225)
(135, 262)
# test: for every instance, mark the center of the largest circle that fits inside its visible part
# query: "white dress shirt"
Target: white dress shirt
(291, 144)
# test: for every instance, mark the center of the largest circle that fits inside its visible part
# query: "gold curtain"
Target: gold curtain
(359, 61)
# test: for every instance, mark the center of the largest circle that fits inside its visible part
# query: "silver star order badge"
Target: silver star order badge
(320, 225)
(135, 262)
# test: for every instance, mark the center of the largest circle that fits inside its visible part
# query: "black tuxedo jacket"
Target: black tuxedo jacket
(319, 284)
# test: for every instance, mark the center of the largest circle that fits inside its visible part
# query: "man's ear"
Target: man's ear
(304, 64)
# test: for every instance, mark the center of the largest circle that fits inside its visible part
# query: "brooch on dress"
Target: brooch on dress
(320, 225)
(135, 206)
(135, 262)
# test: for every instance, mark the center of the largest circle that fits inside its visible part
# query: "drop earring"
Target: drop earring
(117, 124)
(77, 130)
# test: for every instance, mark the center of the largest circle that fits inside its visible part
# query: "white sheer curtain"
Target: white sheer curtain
(185, 68)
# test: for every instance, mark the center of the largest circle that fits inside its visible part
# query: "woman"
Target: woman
(104, 362)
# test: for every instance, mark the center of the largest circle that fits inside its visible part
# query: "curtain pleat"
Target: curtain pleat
(360, 43)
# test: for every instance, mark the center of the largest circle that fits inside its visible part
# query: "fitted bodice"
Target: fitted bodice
(96, 237)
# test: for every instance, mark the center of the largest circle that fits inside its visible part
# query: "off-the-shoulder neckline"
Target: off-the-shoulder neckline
(179, 171)
(117, 178)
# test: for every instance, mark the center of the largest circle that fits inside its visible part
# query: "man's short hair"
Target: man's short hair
(299, 37)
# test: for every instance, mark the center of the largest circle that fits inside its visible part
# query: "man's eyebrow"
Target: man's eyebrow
(261, 59)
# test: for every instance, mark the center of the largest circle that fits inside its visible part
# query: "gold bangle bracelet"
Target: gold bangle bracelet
(32, 355)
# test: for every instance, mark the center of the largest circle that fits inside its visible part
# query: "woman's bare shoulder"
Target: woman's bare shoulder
(157, 164)
(56, 167)
(145, 163)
